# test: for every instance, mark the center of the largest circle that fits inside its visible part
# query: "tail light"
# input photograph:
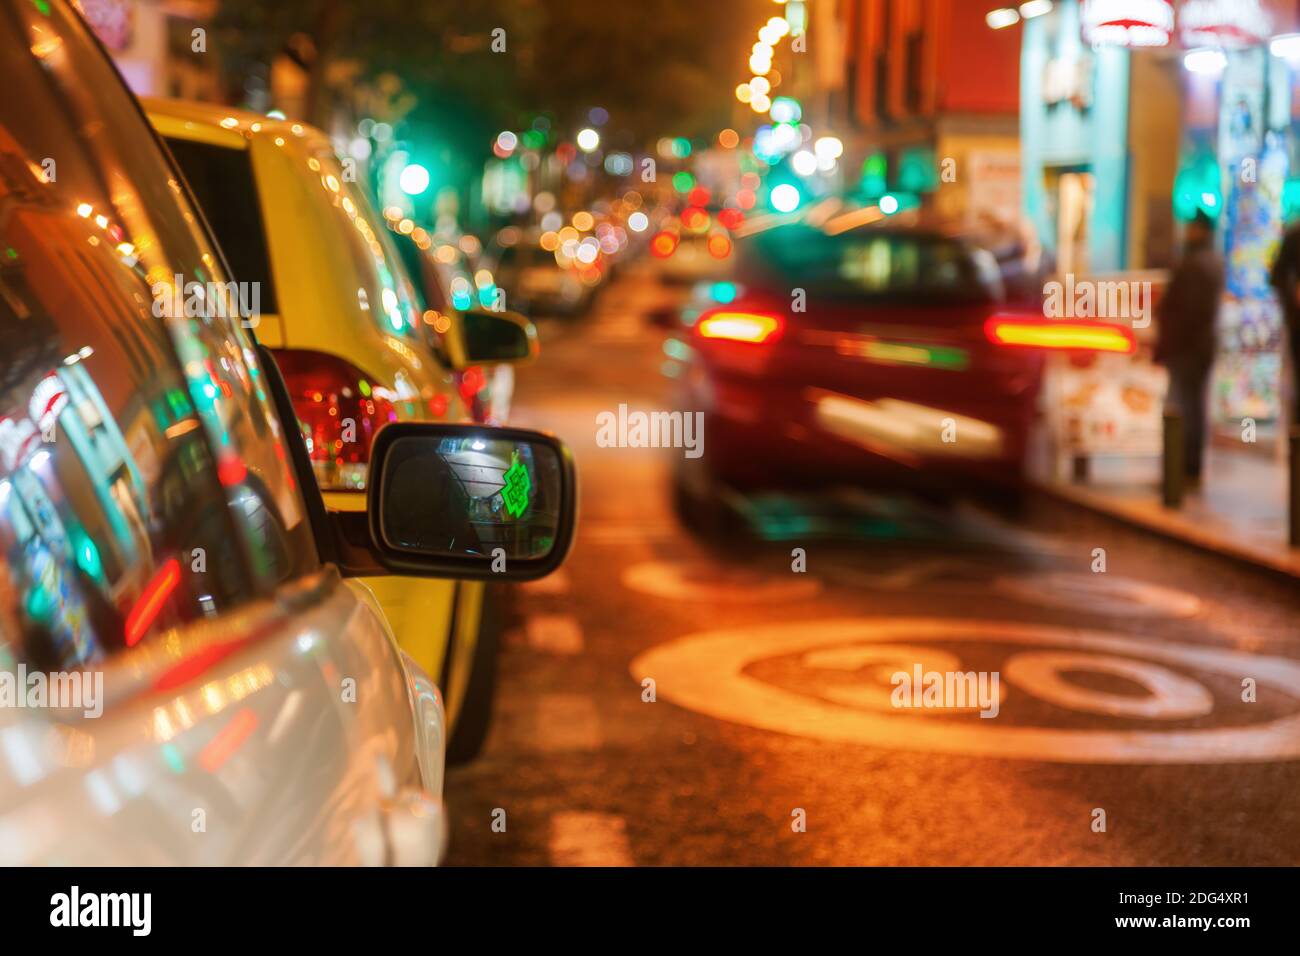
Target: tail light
(733, 326)
(663, 245)
(1077, 336)
(339, 410)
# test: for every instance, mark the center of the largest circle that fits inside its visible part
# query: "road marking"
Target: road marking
(885, 660)
(554, 633)
(621, 533)
(580, 838)
(709, 673)
(680, 581)
(565, 722)
(1103, 594)
(555, 583)
(1169, 696)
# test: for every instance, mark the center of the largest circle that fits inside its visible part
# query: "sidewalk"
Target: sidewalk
(1240, 509)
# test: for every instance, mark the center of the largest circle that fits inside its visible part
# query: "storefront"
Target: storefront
(1098, 134)
(1239, 164)
(1099, 106)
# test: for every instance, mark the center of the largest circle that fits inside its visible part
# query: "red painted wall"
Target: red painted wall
(978, 68)
(966, 67)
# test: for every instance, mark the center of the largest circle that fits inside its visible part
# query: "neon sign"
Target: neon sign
(1129, 23)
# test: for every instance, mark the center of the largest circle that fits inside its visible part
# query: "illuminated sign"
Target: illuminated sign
(17, 439)
(517, 487)
(1222, 23)
(47, 402)
(1131, 23)
(112, 21)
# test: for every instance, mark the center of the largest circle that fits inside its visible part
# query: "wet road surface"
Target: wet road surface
(1121, 735)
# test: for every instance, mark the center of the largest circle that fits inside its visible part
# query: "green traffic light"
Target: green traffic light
(414, 179)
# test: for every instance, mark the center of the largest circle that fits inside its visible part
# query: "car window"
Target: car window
(874, 266)
(221, 180)
(390, 297)
(144, 481)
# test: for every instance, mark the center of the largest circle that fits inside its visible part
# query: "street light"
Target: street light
(1205, 62)
(413, 179)
(588, 140)
(785, 198)
(1286, 46)
(1002, 17)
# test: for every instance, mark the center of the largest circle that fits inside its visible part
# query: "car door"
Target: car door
(181, 679)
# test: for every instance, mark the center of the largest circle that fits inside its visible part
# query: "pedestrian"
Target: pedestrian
(1285, 279)
(1185, 335)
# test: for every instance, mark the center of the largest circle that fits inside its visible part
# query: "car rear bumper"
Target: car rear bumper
(757, 432)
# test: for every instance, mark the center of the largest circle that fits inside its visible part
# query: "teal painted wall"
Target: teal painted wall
(1061, 135)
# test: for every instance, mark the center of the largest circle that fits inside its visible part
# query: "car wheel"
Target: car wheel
(700, 501)
(475, 717)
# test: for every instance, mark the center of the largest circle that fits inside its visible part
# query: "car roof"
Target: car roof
(219, 125)
(840, 216)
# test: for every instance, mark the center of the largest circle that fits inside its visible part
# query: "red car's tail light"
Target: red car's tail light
(1077, 336)
(733, 326)
(340, 411)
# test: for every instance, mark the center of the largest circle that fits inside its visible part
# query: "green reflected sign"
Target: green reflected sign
(516, 488)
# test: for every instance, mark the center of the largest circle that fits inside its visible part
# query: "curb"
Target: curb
(1202, 540)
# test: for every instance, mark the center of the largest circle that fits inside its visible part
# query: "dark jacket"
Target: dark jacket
(1285, 276)
(1189, 308)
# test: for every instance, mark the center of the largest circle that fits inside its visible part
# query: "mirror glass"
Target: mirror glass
(471, 493)
(496, 336)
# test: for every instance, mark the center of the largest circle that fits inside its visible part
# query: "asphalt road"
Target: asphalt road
(1121, 735)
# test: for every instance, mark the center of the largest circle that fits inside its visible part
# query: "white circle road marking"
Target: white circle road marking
(1099, 594)
(679, 581)
(1170, 696)
(704, 672)
(887, 660)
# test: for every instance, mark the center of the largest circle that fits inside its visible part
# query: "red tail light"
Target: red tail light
(340, 410)
(1074, 335)
(157, 592)
(734, 326)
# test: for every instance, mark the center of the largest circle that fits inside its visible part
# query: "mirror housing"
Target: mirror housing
(462, 501)
(496, 338)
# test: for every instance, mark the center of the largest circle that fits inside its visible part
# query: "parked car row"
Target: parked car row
(243, 489)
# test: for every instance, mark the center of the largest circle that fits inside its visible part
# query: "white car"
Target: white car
(190, 672)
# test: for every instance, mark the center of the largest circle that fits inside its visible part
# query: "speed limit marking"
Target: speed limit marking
(709, 673)
(1099, 594)
(1169, 696)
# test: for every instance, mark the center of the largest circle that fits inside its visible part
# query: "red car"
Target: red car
(863, 353)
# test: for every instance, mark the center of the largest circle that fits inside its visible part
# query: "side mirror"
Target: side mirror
(466, 501)
(493, 338)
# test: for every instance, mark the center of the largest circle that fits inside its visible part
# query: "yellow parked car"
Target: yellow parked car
(336, 307)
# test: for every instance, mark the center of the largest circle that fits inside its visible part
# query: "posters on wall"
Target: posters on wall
(1253, 166)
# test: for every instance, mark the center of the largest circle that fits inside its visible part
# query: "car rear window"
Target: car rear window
(878, 266)
(222, 181)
